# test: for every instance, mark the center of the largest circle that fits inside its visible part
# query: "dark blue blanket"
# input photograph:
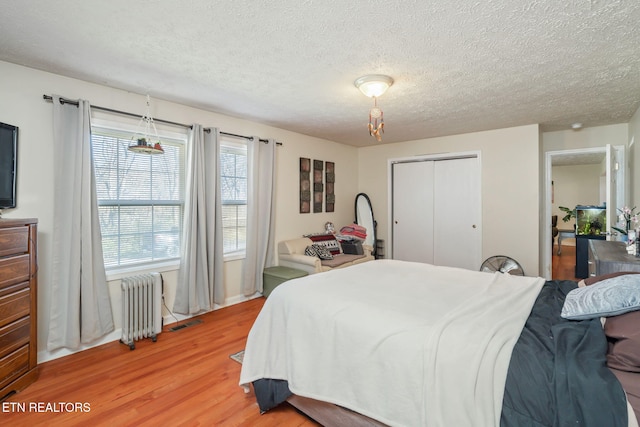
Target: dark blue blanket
(558, 374)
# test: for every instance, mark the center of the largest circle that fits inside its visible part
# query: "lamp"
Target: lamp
(141, 140)
(373, 86)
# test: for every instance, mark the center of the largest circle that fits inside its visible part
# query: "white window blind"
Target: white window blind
(233, 176)
(140, 198)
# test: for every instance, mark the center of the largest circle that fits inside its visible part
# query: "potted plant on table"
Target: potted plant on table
(628, 219)
(570, 213)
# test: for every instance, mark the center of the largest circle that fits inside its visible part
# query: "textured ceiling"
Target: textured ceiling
(459, 66)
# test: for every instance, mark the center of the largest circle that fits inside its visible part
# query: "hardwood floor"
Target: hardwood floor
(186, 378)
(563, 266)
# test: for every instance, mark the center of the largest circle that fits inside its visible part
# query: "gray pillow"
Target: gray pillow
(607, 298)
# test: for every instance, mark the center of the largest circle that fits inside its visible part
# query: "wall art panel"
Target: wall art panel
(305, 185)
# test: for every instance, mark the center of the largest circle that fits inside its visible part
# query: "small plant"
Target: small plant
(570, 213)
(628, 219)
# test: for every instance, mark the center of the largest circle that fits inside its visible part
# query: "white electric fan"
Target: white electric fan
(502, 264)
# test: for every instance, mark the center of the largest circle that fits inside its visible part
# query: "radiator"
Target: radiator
(141, 308)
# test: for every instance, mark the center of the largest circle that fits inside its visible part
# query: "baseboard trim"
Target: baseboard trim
(46, 355)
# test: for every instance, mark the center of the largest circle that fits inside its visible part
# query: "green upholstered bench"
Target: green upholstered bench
(274, 276)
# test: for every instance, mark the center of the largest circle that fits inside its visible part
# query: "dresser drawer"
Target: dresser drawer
(14, 306)
(13, 365)
(14, 335)
(14, 270)
(14, 240)
(18, 311)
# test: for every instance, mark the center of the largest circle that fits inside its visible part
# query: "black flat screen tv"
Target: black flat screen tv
(8, 165)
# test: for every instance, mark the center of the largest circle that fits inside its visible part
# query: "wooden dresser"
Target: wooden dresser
(18, 304)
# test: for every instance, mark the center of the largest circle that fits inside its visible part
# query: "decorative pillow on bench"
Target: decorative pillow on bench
(318, 251)
(328, 241)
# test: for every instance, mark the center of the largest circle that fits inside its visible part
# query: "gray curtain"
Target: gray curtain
(201, 262)
(260, 213)
(80, 310)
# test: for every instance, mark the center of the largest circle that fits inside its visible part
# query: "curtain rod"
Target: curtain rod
(125, 113)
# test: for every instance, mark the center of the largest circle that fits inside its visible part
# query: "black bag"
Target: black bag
(352, 248)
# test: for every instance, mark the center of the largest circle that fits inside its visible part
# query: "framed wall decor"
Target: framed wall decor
(305, 185)
(330, 179)
(318, 186)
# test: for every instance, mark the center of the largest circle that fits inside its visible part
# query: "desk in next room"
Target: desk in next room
(610, 257)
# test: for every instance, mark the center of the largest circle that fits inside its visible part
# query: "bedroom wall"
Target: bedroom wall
(22, 105)
(574, 185)
(598, 136)
(510, 191)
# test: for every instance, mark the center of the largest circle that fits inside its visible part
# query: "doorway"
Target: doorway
(611, 183)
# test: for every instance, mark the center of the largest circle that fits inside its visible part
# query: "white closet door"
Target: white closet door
(436, 212)
(413, 211)
(457, 234)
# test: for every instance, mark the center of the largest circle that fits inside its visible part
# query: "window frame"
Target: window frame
(124, 130)
(230, 146)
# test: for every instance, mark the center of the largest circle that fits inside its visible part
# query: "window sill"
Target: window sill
(117, 273)
(234, 256)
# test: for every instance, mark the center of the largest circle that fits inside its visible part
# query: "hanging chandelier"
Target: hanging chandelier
(373, 86)
(146, 139)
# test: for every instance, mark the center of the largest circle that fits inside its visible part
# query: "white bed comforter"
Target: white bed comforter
(408, 344)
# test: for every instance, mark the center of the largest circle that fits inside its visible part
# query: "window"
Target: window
(233, 175)
(140, 198)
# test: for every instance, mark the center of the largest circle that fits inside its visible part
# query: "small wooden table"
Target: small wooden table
(564, 234)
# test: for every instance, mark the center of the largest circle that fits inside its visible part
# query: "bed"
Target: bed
(412, 344)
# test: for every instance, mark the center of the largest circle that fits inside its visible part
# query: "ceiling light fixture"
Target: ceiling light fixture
(576, 126)
(141, 140)
(373, 86)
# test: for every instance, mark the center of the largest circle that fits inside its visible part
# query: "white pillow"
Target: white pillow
(607, 298)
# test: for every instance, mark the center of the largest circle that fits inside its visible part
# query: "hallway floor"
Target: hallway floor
(563, 266)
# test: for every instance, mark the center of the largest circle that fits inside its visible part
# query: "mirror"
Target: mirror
(364, 217)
